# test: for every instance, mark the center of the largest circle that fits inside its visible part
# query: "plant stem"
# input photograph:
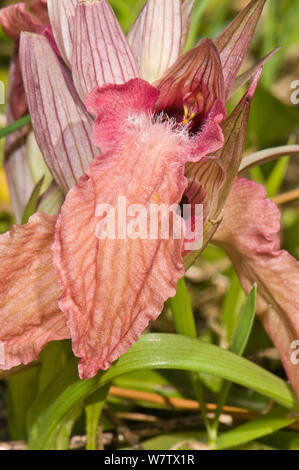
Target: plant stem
(185, 325)
(284, 198)
(182, 311)
(24, 121)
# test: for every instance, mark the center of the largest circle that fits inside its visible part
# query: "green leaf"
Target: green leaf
(51, 201)
(282, 440)
(245, 324)
(93, 409)
(152, 351)
(168, 383)
(182, 311)
(31, 206)
(256, 174)
(63, 433)
(254, 430)
(53, 357)
(167, 441)
(199, 8)
(22, 390)
(15, 126)
(239, 343)
(67, 376)
(185, 325)
(6, 221)
(276, 176)
(232, 306)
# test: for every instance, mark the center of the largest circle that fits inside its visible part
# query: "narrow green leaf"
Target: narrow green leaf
(22, 390)
(239, 343)
(152, 351)
(199, 8)
(53, 358)
(167, 441)
(52, 200)
(231, 307)
(184, 323)
(93, 409)
(62, 380)
(276, 176)
(182, 311)
(282, 440)
(61, 439)
(257, 175)
(253, 430)
(245, 324)
(31, 206)
(24, 121)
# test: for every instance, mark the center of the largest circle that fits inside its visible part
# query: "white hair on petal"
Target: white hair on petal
(144, 121)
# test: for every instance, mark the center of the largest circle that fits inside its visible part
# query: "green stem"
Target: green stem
(182, 311)
(24, 121)
(93, 409)
(238, 346)
(185, 325)
(222, 398)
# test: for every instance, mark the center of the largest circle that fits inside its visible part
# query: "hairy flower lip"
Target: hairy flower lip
(146, 141)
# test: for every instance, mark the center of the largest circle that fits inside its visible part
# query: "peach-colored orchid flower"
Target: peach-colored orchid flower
(161, 126)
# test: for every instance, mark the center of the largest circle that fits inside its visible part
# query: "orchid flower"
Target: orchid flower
(134, 117)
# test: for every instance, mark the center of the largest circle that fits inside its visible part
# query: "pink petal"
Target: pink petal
(210, 180)
(19, 178)
(249, 235)
(113, 104)
(161, 38)
(112, 288)
(48, 33)
(17, 101)
(15, 19)
(234, 42)
(210, 138)
(62, 14)
(17, 169)
(61, 123)
(101, 53)
(194, 81)
(29, 290)
(137, 33)
(40, 10)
